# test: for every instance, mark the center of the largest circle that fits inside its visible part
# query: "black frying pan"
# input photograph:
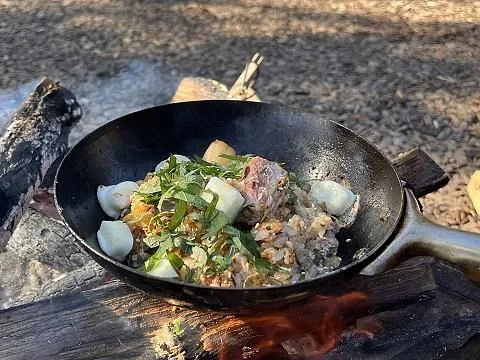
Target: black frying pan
(309, 145)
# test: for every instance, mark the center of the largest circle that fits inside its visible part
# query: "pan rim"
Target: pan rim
(369, 257)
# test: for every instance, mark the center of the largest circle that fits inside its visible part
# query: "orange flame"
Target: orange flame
(308, 330)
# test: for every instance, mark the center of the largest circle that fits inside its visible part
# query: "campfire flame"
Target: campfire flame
(308, 330)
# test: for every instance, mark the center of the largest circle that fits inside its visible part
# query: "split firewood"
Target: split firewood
(243, 89)
(473, 190)
(197, 88)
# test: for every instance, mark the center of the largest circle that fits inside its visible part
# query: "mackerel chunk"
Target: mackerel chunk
(264, 186)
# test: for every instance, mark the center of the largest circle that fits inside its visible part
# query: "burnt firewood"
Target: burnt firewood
(43, 249)
(423, 309)
(35, 137)
(420, 172)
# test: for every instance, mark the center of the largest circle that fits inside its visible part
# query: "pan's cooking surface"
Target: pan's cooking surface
(129, 147)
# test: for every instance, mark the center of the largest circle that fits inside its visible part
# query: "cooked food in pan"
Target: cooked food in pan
(226, 220)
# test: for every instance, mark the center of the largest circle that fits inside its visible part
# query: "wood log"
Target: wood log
(422, 309)
(36, 136)
(42, 260)
(421, 173)
(197, 88)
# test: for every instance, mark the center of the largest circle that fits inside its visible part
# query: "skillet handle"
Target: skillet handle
(418, 236)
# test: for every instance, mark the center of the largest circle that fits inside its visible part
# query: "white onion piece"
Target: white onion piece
(114, 198)
(336, 197)
(230, 201)
(164, 163)
(164, 270)
(115, 239)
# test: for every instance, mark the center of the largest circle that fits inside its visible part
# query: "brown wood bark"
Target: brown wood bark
(35, 137)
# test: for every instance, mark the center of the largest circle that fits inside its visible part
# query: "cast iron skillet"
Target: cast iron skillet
(311, 146)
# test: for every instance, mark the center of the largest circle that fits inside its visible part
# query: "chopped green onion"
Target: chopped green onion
(175, 260)
(177, 218)
(245, 242)
(165, 243)
(219, 220)
(209, 211)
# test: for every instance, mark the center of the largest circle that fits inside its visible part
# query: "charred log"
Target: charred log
(35, 137)
(423, 309)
